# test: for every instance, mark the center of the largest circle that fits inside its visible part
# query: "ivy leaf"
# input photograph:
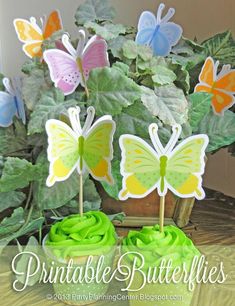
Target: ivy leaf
(124, 68)
(221, 47)
(107, 31)
(94, 10)
(23, 230)
(17, 173)
(220, 129)
(200, 105)
(115, 46)
(168, 103)
(13, 138)
(2, 87)
(13, 223)
(163, 76)
(57, 195)
(131, 51)
(50, 105)
(111, 91)
(11, 199)
(22, 264)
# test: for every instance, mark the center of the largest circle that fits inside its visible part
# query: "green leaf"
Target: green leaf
(200, 105)
(12, 223)
(22, 264)
(168, 103)
(121, 67)
(92, 200)
(11, 199)
(163, 76)
(23, 230)
(111, 91)
(107, 31)
(50, 105)
(57, 195)
(33, 85)
(113, 190)
(115, 46)
(131, 51)
(17, 173)
(221, 47)
(94, 10)
(2, 87)
(220, 129)
(13, 138)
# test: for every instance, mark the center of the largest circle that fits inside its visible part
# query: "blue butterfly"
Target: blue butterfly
(158, 32)
(11, 103)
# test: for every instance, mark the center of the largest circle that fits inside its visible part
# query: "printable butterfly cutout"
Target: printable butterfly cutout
(221, 86)
(88, 148)
(179, 169)
(68, 70)
(11, 103)
(157, 32)
(32, 36)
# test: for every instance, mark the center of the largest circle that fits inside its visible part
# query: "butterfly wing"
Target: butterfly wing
(17, 85)
(207, 75)
(62, 152)
(185, 167)
(144, 37)
(172, 32)
(7, 109)
(63, 70)
(160, 44)
(53, 24)
(30, 35)
(226, 82)
(147, 21)
(98, 150)
(95, 55)
(140, 168)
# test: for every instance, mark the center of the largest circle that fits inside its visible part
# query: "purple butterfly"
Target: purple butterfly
(69, 69)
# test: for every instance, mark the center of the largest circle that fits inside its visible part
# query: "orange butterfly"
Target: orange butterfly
(222, 86)
(32, 36)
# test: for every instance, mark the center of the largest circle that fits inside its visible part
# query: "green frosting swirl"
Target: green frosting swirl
(155, 246)
(91, 234)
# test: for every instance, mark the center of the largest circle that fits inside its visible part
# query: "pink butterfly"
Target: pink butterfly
(69, 69)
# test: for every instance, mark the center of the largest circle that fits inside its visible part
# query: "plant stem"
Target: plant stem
(161, 213)
(81, 195)
(29, 196)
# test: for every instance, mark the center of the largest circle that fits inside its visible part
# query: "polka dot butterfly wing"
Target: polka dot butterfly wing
(84, 149)
(69, 69)
(145, 169)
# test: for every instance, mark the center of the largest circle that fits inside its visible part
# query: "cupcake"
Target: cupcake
(156, 247)
(76, 239)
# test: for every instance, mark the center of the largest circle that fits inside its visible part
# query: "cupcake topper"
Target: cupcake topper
(32, 36)
(179, 169)
(221, 86)
(157, 32)
(69, 69)
(87, 148)
(11, 103)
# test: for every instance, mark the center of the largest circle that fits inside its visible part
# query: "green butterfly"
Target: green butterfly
(179, 169)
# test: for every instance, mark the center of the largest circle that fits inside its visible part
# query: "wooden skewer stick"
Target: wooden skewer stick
(161, 213)
(81, 195)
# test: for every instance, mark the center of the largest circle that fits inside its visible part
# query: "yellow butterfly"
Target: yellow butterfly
(178, 169)
(88, 148)
(32, 36)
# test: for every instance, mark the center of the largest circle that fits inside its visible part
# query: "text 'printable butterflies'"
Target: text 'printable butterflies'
(221, 86)
(178, 169)
(68, 70)
(157, 32)
(82, 148)
(11, 103)
(32, 36)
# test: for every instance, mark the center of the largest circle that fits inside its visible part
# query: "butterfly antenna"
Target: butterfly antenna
(81, 42)
(68, 45)
(89, 119)
(74, 113)
(225, 69)
(153, 132)
(176, 131)
(159, 12)
(169, 15)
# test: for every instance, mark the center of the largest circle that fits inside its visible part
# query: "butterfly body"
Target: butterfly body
(158, 32)
(221, 86)
(11, 103)
(73, 148)
(69, 69)
(32, 36)
(145, 169)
